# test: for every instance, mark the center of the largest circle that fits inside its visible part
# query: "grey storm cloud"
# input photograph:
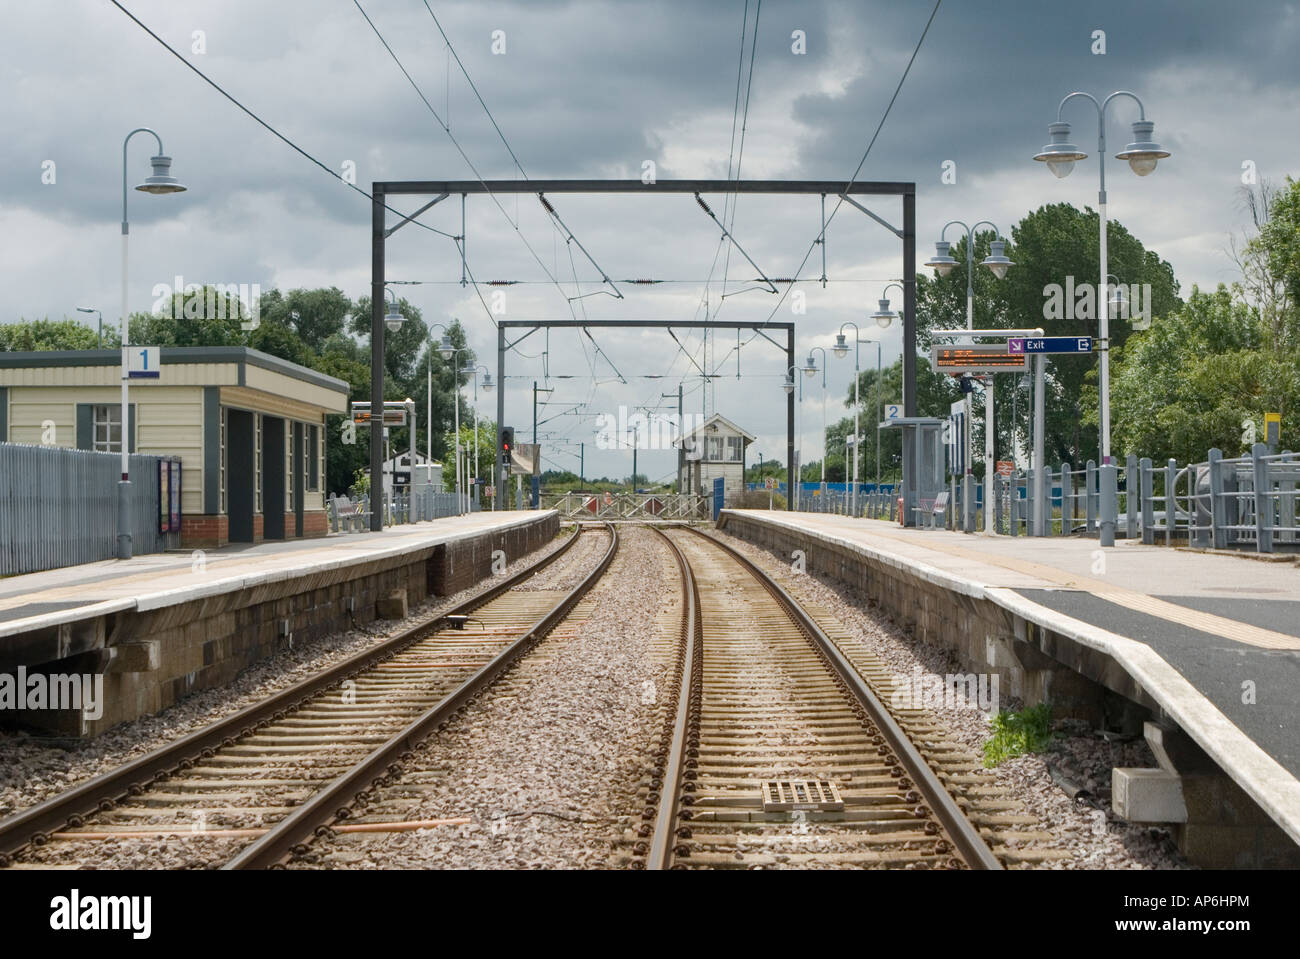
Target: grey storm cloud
(592, 90)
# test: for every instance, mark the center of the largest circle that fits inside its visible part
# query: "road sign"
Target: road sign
(1006, 467)
(975, 359)
(893, 411)
(1272, 428)
(1049, 344)
(143, 362)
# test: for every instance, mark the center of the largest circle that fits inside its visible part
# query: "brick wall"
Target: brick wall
(204, 532)
(315, 523)
(456, 566)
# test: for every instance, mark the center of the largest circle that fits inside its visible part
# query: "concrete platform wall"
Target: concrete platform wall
(153, 658)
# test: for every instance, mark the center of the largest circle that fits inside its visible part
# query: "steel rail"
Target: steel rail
(961, 831)
(101, 793)
(660, 853)
(384, 764)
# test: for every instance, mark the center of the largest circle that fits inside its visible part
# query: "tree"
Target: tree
(1048, 246)
(31, 335)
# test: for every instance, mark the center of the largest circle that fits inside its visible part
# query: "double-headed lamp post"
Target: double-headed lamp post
(447, 350)
(487, 388)
(159, 182)
(997, 264)
(883, 316)
(1142, 155)
(810, 370)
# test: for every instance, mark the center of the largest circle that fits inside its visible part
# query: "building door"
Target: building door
(240, 475)
(273, 477)
(298, 475)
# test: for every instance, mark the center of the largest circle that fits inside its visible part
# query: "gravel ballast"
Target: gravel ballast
(32, 770)
(1079, 757)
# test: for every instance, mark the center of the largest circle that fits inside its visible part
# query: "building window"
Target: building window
(288, 466)
(714, 453)
(734, 449)
(312, 455)
(108, 428)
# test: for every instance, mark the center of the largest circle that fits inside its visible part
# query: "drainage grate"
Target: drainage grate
(786, 795)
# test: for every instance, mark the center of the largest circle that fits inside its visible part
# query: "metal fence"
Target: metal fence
(58, 507)
(1244, 502)
(348, 516)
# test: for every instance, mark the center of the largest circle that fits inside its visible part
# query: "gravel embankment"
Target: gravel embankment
(1078, 755)
(32, 770)
(547, 762)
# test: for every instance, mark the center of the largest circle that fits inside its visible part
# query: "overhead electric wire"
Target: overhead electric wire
(266, 126)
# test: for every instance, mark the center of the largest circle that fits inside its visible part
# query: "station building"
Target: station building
(715, 448)
(248, 427)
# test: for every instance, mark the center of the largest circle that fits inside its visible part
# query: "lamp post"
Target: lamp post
(487, 388)
(1142, 154)
(159, 182)
(461, 497)
(998, 264)
(810, 370)
(446, 349)
(99, 344)
(883, 316)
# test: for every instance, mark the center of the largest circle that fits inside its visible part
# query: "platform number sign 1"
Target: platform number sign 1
(143, 362)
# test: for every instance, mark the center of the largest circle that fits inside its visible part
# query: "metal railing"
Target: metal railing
(58, 507)
(664, 506)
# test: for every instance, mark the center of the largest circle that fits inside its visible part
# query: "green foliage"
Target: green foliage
(759, 499)
(30, 335)
(1048, 245)
(1014, 734)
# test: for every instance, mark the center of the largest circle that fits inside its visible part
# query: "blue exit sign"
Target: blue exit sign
(1050, 344)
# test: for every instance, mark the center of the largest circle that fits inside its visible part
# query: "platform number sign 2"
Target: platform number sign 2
(893, 411)
(143, 362)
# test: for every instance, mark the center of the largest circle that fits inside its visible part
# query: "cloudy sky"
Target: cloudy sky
(595, 90)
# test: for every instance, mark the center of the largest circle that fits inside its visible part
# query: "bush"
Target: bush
(757, 499)
(1014, 734)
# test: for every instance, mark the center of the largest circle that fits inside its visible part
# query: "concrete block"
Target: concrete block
(1147, 795)
(392, 606)
(140, 657)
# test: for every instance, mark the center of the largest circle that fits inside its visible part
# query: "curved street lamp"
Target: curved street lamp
(883, 316)
(811, 370)
(788, 385)
(159, 182)
(1142, 155)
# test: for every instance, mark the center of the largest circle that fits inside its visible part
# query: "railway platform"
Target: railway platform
(1200, 653)
(159, 626)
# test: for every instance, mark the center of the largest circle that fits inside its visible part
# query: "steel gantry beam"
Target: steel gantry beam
(381, 189)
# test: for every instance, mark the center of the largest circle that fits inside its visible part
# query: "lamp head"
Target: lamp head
(942, 261)
(161, 180)
(392, 319)
(1060, 154)
(841, 347)
(487, 383)
(997, 261)
(447, 348)
(884, 316)
(810, 368)
(1143, 153)
(788, 384)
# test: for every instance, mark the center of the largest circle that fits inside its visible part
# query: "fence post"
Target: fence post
(1218, 535)
(1263, 502)
(1089, 497)
(1171, 502)
(1067, 499)
(1132, 487)
(1286, 498)
(1146, 483)
(1108, 482)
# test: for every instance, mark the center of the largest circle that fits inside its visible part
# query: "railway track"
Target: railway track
(777, 751)
(248, 789)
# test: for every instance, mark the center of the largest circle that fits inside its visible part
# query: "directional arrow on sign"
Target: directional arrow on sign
(1015, 345)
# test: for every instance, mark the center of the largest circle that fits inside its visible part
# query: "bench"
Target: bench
(348, 516)
(933, 511)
